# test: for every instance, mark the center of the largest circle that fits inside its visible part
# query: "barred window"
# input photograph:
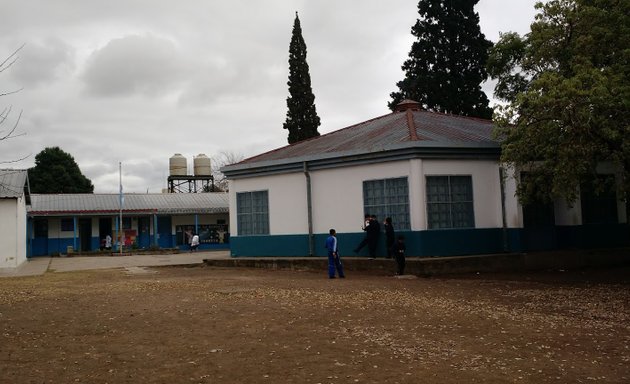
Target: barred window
(599, 207)
(388, 198)
(67, 225)
(252, 210)
(450, 202)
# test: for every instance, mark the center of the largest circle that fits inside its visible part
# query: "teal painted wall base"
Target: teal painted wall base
(419, 243)
(451, 242)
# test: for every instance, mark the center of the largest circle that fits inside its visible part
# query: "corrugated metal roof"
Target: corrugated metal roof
(159, 203)
(385, 132)
(12, 182)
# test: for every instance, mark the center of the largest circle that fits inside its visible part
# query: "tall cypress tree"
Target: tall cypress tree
(302, 120)
(446, 64)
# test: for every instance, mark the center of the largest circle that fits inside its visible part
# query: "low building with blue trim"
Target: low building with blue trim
(58, 223)
(438, 176)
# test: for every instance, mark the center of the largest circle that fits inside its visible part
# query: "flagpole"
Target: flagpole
(122, 231)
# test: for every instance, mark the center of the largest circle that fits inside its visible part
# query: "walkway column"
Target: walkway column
(74, 235)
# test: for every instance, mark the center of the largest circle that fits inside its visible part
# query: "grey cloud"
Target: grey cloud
(197, 76)
(43, 62)
(146, 65)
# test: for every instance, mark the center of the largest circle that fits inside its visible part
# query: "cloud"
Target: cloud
(122, 81)
(43, 62)
(146, 65)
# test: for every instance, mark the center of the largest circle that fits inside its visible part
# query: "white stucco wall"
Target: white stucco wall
(513, 210)
(287, 201)
(486, 186)
(54, 229)
(12, 232)
(337, 195)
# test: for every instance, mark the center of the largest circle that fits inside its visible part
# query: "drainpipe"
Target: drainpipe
(503, 218)
(155, 230)
(309, 208)
(74, 235)
(29, 237)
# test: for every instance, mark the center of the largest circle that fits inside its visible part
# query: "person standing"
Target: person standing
(194, 243)
(399, 254)
(334, 261)
(390, 237)
(108, 242)
(365, 227)
(373, 233)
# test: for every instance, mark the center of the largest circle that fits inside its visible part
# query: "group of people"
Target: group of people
(395, 246)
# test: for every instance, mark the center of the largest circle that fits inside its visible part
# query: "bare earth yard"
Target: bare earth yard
(205, 325)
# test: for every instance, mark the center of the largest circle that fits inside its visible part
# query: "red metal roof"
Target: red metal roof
(431, 129)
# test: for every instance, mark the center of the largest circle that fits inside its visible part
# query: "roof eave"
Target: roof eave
(402, 151)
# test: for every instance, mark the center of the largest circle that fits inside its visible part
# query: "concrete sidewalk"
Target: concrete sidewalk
(567, 259)
(40, 265)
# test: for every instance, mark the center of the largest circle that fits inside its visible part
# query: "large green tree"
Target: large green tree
(446, 64)
(56, 171)
(302, 120)
(567, 88)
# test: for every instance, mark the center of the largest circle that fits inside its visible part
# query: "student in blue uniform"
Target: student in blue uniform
(334, 261)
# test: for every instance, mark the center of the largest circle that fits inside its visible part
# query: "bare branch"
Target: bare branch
(16, 160)
(11, 132)
(8, 62)
(11, 92)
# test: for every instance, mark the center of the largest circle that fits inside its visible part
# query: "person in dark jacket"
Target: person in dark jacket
(373, 233)
(399, 254)
(390, 237)
(366, 225)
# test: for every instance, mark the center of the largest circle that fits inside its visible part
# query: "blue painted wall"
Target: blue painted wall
(419, 243)
(451, 242)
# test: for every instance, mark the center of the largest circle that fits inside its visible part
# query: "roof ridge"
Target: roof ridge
(249, 159)
(413, 134)
(461, 116)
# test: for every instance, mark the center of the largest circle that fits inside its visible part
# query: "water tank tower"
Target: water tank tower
(177, 165)
(202, 165)
(199, 179)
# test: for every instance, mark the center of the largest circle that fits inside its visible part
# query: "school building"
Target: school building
(58, 223)
(438, 176)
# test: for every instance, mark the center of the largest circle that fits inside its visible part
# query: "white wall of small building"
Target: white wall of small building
(12, 232)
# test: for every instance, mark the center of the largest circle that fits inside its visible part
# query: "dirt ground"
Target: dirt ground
(206, 325)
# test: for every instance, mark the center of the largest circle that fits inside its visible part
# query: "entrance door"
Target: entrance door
(40, 237)
(85, 235)
(104, 229)
(144, 239)
(164, 231)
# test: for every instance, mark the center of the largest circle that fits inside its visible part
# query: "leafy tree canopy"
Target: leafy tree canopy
(446, 64)
(56, 171)
(302, 120)
(567, 88)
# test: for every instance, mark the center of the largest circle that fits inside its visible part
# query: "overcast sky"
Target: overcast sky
(135, 81)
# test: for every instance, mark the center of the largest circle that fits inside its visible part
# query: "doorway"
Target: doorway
(85, 235)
